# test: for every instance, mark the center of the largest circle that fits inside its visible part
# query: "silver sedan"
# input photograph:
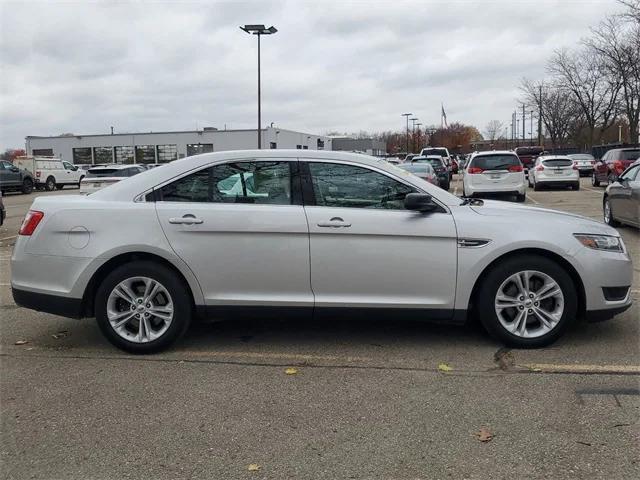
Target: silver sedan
(310, 233)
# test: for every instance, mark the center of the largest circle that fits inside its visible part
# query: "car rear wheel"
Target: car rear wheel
(594, 180)
(142, 307)
(607, 212)
(576, 186)
(27, 186)
(80, 181)
(527, 301)
(50, 184)
(521, 197)
(536, 186)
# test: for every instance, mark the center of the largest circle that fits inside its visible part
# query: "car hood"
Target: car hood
(544, 216)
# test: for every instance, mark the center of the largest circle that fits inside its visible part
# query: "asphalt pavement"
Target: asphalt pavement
(364, 399)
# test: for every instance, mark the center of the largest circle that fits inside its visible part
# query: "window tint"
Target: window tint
(240, 182)
(495, 162)
(336, 185)
(628, 154)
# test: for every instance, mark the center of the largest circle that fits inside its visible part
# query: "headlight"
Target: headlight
(600, 242)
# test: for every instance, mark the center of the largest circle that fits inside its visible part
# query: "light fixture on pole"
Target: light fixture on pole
(407, 115)
(259, 30)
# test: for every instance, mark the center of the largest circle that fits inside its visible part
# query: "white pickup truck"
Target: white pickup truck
(50, 173)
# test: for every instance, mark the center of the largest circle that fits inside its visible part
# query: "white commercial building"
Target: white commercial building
(160, 147)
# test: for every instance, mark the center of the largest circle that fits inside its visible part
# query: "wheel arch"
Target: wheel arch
(566, 265)
(101, 273)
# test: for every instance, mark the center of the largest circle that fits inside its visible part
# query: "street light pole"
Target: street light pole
(259, 30)
(407, 115)
(419, 135)
(413, 134)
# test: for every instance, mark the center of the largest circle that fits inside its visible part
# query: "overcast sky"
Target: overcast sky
(333, 66)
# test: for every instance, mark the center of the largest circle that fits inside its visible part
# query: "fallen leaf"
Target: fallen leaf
(61, 334)
(484, 435)
(21, 342)
(444, 367)
(253, 467)
(291, 371)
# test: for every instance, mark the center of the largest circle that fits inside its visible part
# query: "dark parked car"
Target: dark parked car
(442, 172)
(3, 212)
(612, 164)
(621, 203)
(527, 156)
(13, 178)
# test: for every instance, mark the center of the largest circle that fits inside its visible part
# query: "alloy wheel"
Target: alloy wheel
(140, 309)
(529, 304)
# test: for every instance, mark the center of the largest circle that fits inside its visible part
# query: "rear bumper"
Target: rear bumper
(41, 302)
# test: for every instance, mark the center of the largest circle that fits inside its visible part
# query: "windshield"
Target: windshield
(581, 156)
(495, 162)
(435, 162)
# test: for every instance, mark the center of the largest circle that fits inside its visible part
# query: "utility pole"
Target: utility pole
(540, 117)
(407, 115)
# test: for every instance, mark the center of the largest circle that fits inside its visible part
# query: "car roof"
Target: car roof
(494, 152)
(115, 166)
(549, 157)
(141, 183)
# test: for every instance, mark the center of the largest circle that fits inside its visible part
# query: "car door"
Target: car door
(367, 250)
(9, 174)
(72, 172)
(241, 228)
(624, 195)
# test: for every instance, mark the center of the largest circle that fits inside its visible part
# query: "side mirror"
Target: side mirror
(420, 202)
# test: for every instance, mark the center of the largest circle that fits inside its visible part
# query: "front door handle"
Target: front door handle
(187, 219)
(335, 222)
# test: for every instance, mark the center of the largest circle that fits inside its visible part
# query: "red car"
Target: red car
(527, 156)
(612, 164)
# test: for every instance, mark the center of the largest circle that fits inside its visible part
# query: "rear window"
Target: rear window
(434, 151)
(628, 154)
(111, 172)
(417, 167)
(557, 162)
(435, 162)
(495, 162)
(529, 151)
(579, 156)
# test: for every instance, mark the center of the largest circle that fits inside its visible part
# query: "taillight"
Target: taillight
(575, 165)
(38, 173)
(31, 221)
(515, 168)
(618, 166)
(474, 170)
(540, 168)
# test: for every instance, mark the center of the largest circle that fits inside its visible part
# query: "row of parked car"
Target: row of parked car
(50, 173)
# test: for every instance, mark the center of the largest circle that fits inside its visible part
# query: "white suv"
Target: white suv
(494, 172)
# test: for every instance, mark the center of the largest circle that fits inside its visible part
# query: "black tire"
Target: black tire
(521, 198)
(576, 186)
(50, 184)
(611, 221)
(80, 181)
(486, 294)
(536, 187)
(176, 288)
(594, 180)
(27, 186)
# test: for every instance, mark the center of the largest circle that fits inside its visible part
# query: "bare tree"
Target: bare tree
(617, 43)
(559, 113)
(493, 129)
(633, 10)
(585, 78)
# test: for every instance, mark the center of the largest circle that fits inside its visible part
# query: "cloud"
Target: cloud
(343, 65)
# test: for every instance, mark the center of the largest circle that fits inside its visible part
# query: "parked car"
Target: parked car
(315, 237)
(3, 212)
(410, 157)
(556, 171)
(15, 178)
(621, 202)
(494, 172)
(422, 170)
(436, 161)
(443, 153)
(527, 156)
(100, 177)
(613, 164)
(584, 161)
(51, 173)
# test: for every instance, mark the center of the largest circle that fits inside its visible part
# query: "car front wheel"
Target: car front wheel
(27, 186)
(527, 301)
(607, 212)
(594, 180)
(142, 307)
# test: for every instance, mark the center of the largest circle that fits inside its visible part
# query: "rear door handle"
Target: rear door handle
(335, 222)
(187, 219)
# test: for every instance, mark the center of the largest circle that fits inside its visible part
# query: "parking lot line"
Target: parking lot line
(8, 238)
(582, 368)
